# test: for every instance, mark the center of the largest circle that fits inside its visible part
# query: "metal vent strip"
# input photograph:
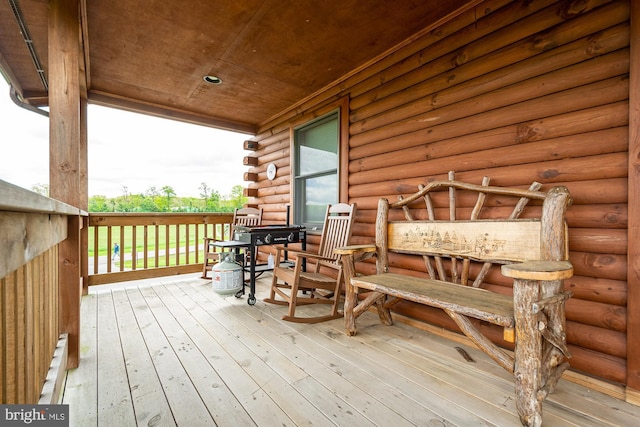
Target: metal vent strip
(27, 40)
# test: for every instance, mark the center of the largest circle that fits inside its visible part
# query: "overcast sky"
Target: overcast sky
(125, 150)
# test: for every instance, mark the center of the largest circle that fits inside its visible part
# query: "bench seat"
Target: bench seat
(466, 300)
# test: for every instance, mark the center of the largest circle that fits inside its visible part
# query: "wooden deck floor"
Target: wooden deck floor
(172, 352)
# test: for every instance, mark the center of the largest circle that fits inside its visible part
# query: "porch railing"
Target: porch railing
(31, 230)
(150, 244)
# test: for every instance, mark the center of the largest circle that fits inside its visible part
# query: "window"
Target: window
(316, 160)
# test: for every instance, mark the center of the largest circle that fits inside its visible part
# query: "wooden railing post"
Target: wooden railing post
(70, 289)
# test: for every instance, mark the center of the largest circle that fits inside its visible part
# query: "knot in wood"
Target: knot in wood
(460, 59)
(65, 167)
(574, 8)
(527, 133)
(594, 47)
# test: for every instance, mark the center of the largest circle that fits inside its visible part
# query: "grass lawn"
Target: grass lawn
(127, 243)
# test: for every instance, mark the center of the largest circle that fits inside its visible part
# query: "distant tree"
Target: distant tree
(152, 192)
(41, 189)
(237, 196)
(204, 190)
(213, 202)
(99, 204)
(169, 193)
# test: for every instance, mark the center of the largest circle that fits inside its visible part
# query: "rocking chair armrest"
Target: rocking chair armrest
(301, 253)
(352, 249)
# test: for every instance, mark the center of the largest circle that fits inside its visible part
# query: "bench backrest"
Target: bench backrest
(451, 221)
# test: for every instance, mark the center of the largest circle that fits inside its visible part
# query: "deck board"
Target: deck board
(114, 393)
(171, 351)
(81, 387)
(149, 400)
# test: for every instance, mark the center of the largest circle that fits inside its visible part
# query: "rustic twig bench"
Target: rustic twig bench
(458, 255)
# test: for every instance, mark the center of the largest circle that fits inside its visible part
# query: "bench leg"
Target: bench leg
(528, 353)
(351, 295)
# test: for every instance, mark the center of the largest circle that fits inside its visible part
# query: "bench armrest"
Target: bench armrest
(539, 270)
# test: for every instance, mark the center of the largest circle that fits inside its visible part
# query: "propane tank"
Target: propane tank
(227, 275)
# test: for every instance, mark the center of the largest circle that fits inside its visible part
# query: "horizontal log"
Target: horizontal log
(602, 265)
(597, 314)
(602, 340)
(602, 241)
(596, 94)
(412, 55)
(269, 136)
(590, 144)
(250, 192)
(250, 161)
(578, 122)
(505, 86)
(279, 155)
(250, 145)
(275, 207)
(310, 108)
(574, 41)
(250, 176)
(276, 198)
(607, 291)
(609, 367)
(479, 38)
(598, 216)
(601, 167)
(279, 185)
(565, 80)
(597, 190)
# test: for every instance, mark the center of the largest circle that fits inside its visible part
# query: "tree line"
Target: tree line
(164, 199)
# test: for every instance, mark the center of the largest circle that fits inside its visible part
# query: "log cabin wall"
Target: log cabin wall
(515, 90)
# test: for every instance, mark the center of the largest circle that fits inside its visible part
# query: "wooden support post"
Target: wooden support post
(65, 169)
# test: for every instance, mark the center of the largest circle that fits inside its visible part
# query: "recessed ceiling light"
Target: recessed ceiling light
(212, 79)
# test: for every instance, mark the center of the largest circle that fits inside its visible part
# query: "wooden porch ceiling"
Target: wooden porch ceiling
(151, 56)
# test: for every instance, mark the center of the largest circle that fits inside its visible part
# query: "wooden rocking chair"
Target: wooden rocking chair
(316, 287)
(248, 217)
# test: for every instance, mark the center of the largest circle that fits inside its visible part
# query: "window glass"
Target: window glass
(319, 192)
(319, 148)
(316, 170)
